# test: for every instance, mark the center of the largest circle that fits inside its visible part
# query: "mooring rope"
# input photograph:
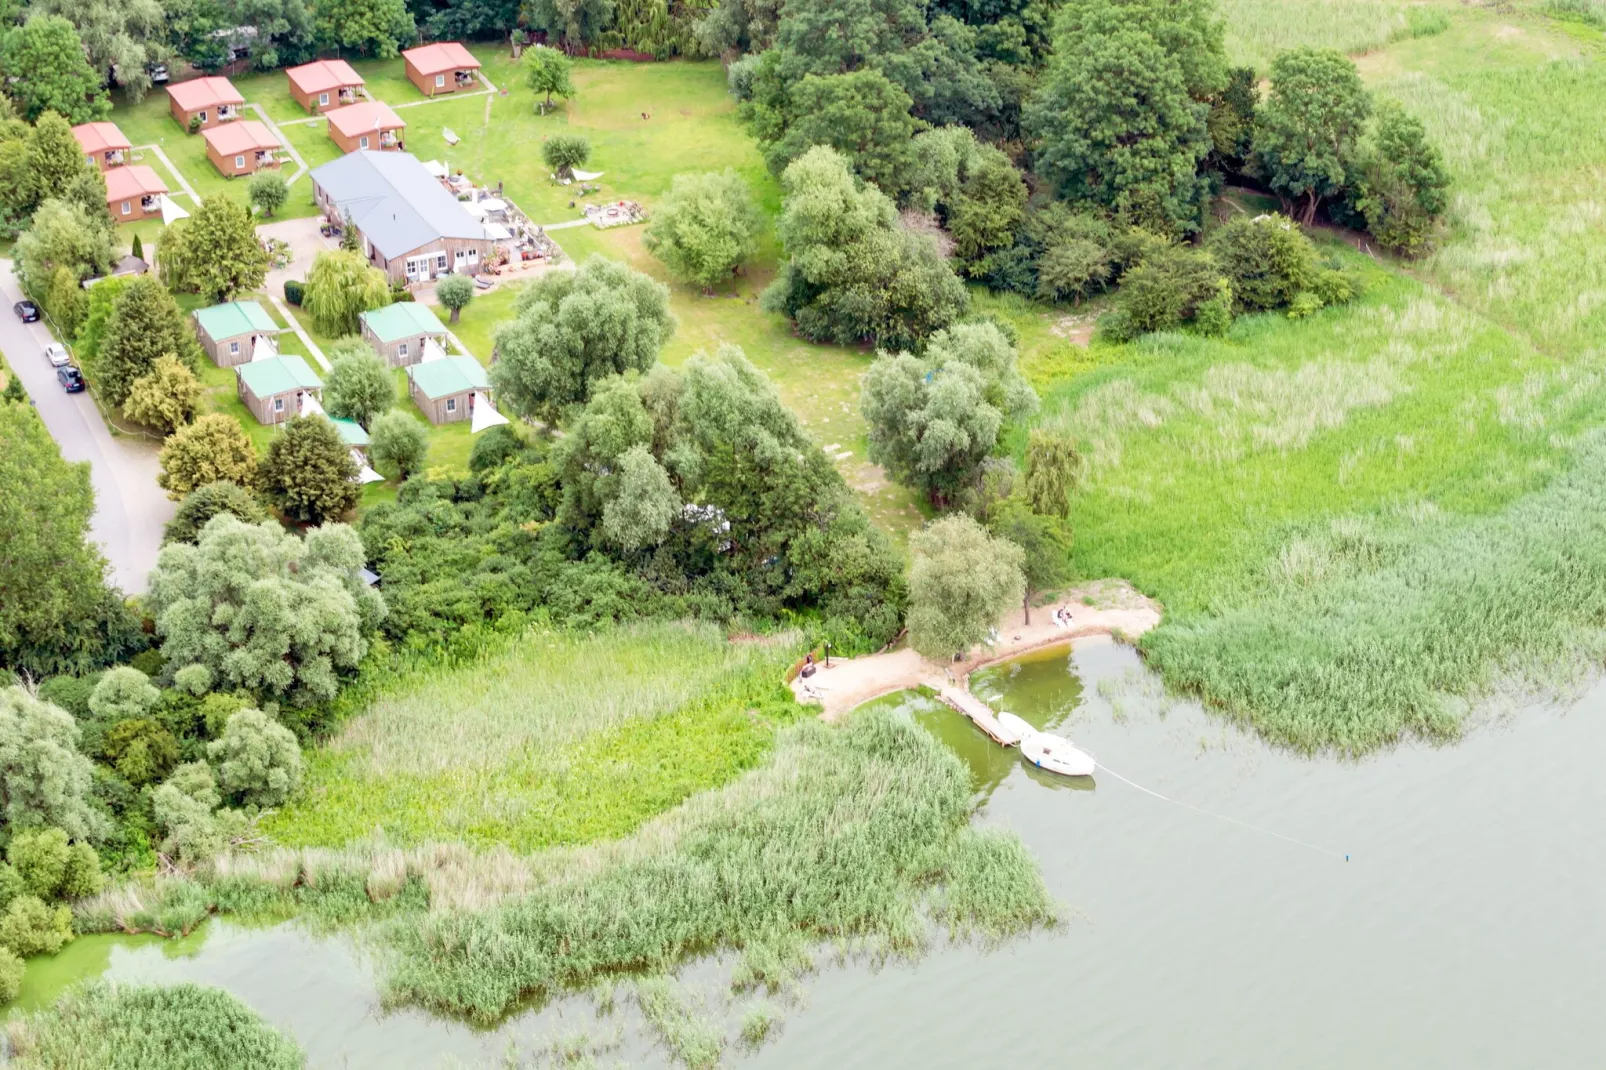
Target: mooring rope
(1102, 768)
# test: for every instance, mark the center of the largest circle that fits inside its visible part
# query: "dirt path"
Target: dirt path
(1102, 607)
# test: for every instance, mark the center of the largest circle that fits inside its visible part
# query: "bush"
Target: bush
(123, 693)
(207, 501)
(293, 289)
(494, 448)
(1335, 287)
(50, 867)
(214, 447)
(1267, 259)
(29, 927)
(1167, 291)
(11, 971)
(141, 751)
(400, 443)
(71, 693)
(1305, 304)
(258, 760)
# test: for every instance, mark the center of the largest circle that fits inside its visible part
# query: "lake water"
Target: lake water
(1464, 931)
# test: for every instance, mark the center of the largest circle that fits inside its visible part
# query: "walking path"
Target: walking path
(1116, 609)
(301, 333)
(273, 127)
(178, 176)
(489, 91)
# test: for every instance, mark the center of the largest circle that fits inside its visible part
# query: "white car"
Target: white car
(58, 354)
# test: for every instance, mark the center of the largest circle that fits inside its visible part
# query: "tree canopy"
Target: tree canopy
(216, 252)
(44, 781)
(399, 443)
(359, 385)
(215, 447)
(1308, 132)
(705, 227)
(1404, 183)
(573, 329)
(145, 325)
(546, 70)
(121, 37)
(340, 287)
(455, 292)
(63, 235)
(268, 191)
(961, 581)
(166, 396)
(307, 472)
(43, 60)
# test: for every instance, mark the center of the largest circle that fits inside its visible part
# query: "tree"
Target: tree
(14, 391)
(370, 27)
(31, 927)
(145, 324)
(12, 970)
(62, 236)
(122, 694)
(44, 781)
(340, 287)
(212, 448)
(140, 750)
(990, 204)
(1045, 545)
(546, 70)
(572, 329)
(576, 22)
(43, 60)
(121, 37)
(264, 610)
(101, 304)
(399, 442)
(564, 152)
(645, 505)
(52, 867)
(66, 301)
(268, 191)
(1404, 183)
(164, 397)
(933, 421)
(862, 115)
(359, 385)
(1308, 133)
(704, 228)
(961, 580)
(307, 473)
(455, 292)
(55, 161)
(1052, 469)
(207, 501)
(1117, 128)
(258, 760)
(853, 273)
(57, 614)
(217, 251)
(1073, 268)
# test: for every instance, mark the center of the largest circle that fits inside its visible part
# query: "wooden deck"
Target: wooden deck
(980, 713)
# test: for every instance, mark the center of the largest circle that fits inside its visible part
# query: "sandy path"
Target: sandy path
(1116, 609)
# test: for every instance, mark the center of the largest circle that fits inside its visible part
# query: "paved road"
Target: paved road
(130, 508)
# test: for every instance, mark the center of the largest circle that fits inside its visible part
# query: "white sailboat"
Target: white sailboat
(1056, 754)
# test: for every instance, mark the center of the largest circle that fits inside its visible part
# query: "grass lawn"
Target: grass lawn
(561, 739)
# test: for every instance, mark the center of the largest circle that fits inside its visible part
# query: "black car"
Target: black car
(69, 379)
(26, 311)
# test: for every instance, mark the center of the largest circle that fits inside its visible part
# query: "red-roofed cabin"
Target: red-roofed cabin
(104, 145)
(324, 83)
(369, 125)
(241, 148)
(444, 67)
(210, 100)
(134, 192)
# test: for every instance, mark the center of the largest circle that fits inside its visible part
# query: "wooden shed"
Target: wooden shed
(369, 125)
(242, 148)
(276, 388)
(444, 389)
(444, 67)
(209, 100)
(324, 84)
(398, 331)
(229, 332)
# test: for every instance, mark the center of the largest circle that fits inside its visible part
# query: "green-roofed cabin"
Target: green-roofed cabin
(351, 432)
(444, 389)
(398, 331)
(276, 388)
(229, 332)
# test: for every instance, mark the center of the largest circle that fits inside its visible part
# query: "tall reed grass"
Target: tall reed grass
(1259, 29)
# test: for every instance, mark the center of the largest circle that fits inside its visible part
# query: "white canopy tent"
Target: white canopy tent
(310, 406)
(171, 211)
(365, 474)
(432, 351)
(266, 348)
(497, 232)
(473, 208)
(492, 205)
(485, 415)
(436, 168)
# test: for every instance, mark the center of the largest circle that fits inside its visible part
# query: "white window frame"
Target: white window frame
(362, 142)
(451, 404)
(234, 349)
(440, 81)
(202, 115)
(401, 350)
(278, 404)
(323, 98)
(440, 262)
(459, 256)
(126, 209)
(239, 162)
(473, 254)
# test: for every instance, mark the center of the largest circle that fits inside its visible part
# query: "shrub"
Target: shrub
(123, 693)
(1267, 259)
(1168, 290)
(493, 448)
(50, 867)
(207, 501)
(164, 397)
(44, 781)
(29, 927)
(212, 448)
(11, 971)
(71, 693)
(293, 291)
(141, 750)
(258, 760)
(1303, 305)
(400, 443)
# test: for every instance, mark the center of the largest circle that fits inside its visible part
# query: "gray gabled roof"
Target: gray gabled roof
(396, 204)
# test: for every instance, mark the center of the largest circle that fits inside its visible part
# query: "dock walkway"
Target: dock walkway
(980, 714)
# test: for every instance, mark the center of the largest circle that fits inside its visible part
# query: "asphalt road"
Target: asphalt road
(130, 509)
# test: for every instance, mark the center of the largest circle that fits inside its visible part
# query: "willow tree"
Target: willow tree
(961, 580)
(340, 287)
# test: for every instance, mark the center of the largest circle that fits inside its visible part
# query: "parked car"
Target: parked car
(70, 380)
(26, 311)
(158, 73)
(57, 354)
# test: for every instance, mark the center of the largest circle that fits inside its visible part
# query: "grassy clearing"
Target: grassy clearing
(561, 739)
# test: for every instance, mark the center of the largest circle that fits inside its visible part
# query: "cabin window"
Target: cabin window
(451, 404)
(401, 350)
(323, 98)
(202, 117)
(234, 348)
(278, 404)
(440, 261)
(239, 161)
(440, 80)
(473, 255)
(362, 142)
(126, 208)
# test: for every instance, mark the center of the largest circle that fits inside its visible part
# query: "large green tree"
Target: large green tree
(399, 443)
(704, 228)
(43, 60)
(1045, 544)
(934, 420)
(359, 385)
(216, 252)
(307, 472)
(146, 324)
(1404, 183)
(56, 165)
(44, 781)
(576, 23)
(340, 287)
(214, 447)
(546, 70)
(268, 191)
(62, 235)
(369, 27)
(166, 396)
(263, 610)
(573, 329)
(258, 760)
(853, 273)
(207, 501)
(56, 612)
(862, 115)
(121, 37)
(1308, 132)
(961, 581)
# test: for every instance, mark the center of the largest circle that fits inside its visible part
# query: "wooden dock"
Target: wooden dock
(980, 714)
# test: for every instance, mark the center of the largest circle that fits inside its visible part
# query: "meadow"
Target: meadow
(558, 739)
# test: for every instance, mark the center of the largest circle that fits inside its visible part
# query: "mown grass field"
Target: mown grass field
(1359, 521)
(561, 739)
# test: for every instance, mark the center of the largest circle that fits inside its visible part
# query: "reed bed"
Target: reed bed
(1259, 29)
